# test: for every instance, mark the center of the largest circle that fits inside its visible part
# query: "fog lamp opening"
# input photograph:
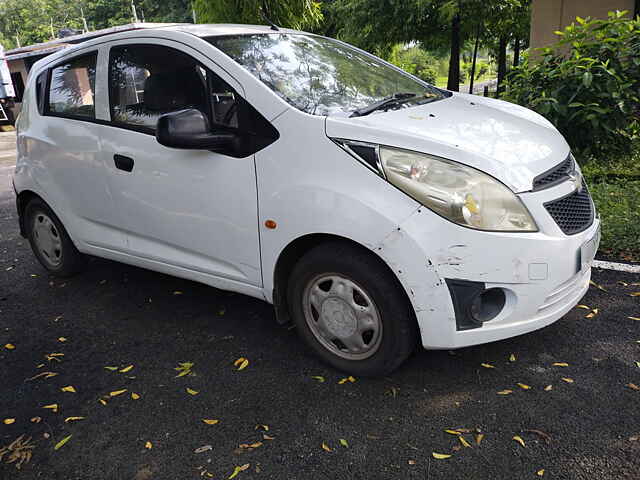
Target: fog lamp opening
(487, 304)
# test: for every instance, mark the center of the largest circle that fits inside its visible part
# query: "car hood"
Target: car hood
(507, 141)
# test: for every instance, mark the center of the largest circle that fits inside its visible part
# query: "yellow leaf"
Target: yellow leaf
(72, 419)
(9, 421)
(344, 443)
(548, 388)
(267, 437)
(635, 294)
(487, 365)
(633, 386)
(148, 445)
(9, 346)
(560, 364)
(210, 421)
(68, 389)
(53, 407)
(103, 402)
(351, 379)
(519, 439)
(62, 339)
(512, 358)
(255, 445)
(637, 319)
(479, 438)
(190, 391)
(343, 380)
(452, 432)
(540, 472)
(585, 307)
(440, 456)
(505, 392)
(524, 386)
(126, 369)
(134, 396)
(568, 380)
(326, 447)
(638, 364)
(117, 392)
(599, 287)
(113, 369)
(177, 292)
(43, 374)
(463, 441)
(62, 442)
(243, 365)
(237, 470)
(318, 378)
(36, 419)
(262, 427)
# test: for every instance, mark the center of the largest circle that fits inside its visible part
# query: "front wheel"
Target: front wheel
(351, 310)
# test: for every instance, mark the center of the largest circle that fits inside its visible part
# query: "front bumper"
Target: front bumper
(539, 272)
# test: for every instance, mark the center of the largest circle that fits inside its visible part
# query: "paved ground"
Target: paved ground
(115, 315)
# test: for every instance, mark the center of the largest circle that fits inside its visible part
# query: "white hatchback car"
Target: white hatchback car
(373, 210)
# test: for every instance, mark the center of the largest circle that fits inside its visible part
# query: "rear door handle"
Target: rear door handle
(123, 163)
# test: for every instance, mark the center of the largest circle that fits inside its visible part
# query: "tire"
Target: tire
(342, 291)
(50, 241)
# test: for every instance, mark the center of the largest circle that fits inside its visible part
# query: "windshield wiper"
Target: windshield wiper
(396, 98)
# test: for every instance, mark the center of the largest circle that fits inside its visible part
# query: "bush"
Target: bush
(415, 61)
(587, 85)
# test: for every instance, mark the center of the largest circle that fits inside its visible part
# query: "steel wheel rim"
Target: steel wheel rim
(47, 239)
(342, 316)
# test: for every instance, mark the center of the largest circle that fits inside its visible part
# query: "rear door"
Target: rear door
(191, 209)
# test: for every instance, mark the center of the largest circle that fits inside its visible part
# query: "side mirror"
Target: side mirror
(189, 129)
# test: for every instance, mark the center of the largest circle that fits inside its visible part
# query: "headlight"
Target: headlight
(459, 193)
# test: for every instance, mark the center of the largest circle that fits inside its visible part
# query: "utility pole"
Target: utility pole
(18, 40)
(135, 14)
(51, 27)
(84, 21)
(193, 12)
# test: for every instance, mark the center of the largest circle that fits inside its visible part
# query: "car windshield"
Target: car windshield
(322, 76)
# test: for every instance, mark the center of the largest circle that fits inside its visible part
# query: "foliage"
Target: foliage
(289, 13)
(415, 61)
(587, 84)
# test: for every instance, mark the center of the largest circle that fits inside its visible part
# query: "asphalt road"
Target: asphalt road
(115, 315)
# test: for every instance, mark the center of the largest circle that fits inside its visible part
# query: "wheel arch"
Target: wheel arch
(22, 200)
(296, 249)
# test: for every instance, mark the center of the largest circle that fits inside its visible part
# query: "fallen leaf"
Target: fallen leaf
(585, 307)
(103, 402)
(9, 346)
(262, 427)
(592, 314)
(117, 392)
(540, 433)
(53, 407)
(135, 396)
(184, 369)
(255, 445)
(453, 432)
(487, 365)
(43, 374)
(9, 421)
(540, 472)
(326, 447)
(177, 292)
(62, 339)
(560, 364)
(267, 437)
(519, 439)
(344, 443)
(411, 462)
(36, 419)
(73, 419)
(548, 388)
(68, 388)
(241, 363)
(633, 386)
(638, 364)
(112, 368)
(343, 380)
(148, 445)
(637, 319)
(237, 470)
(440, 456)
(210, 421)
(126, 369)
(463, 441)
(635, 294)
(512, 358)
(203, 448)
(568, 380)
(599, 287)
(351, 379)
(479, 438)
(524, 386)
(505, 392)
(318, 378)
(190, 391)
(62, 442)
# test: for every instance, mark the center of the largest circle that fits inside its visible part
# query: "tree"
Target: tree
(286, 13)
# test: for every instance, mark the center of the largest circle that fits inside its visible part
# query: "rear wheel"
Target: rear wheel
(50, 242)
(350, 309)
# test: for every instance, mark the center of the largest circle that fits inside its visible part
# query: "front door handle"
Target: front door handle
(123, 163)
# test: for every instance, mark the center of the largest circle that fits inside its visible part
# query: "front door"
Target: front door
(191, 209)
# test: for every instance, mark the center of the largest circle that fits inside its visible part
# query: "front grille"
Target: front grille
(556, 175)
(573, 213)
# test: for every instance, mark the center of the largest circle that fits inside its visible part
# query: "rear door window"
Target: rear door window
(72, 88)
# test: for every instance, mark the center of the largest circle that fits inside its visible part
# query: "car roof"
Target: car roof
(224, 29)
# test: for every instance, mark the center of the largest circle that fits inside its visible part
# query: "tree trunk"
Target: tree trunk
(502, 63)
(453, 82)
(516, 52)
(475, 57)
